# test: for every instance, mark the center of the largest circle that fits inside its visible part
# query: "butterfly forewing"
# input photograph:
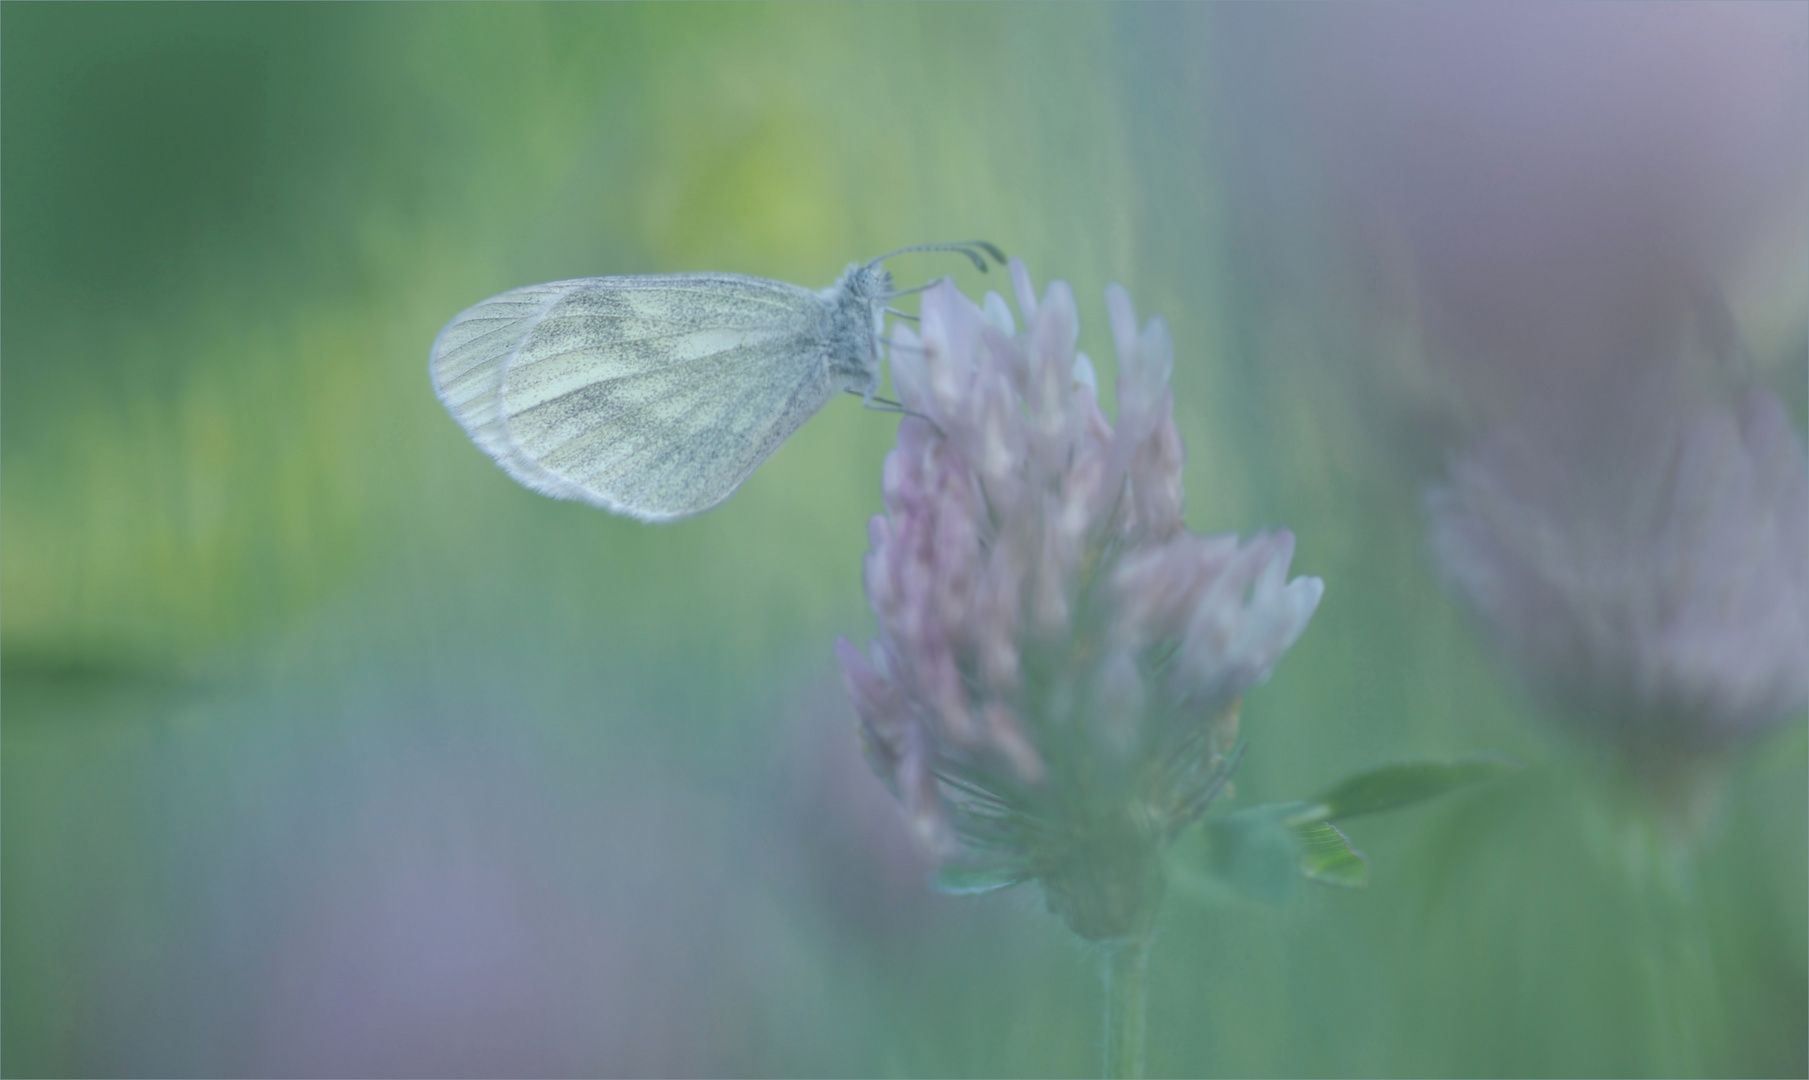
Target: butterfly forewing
(653, 396)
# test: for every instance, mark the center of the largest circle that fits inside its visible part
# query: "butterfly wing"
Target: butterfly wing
(648, 396)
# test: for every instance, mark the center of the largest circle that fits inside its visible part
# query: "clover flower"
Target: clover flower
(1654, 591)
(1054, 690)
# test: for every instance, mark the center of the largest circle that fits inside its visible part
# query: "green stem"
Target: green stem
(1127, 1000)
(1674, 951)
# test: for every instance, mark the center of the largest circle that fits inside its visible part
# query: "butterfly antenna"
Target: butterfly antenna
(975, 250)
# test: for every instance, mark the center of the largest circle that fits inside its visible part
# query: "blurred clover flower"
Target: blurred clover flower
(1653, 592)
(1054, 691)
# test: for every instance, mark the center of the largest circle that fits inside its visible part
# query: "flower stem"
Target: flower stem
(1127, 998)
(1674, 952)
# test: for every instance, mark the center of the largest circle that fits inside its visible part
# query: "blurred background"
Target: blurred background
(329, 750)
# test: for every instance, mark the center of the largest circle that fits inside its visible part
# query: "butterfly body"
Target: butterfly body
(654, 396)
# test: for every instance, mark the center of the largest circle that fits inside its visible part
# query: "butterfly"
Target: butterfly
(656, 396)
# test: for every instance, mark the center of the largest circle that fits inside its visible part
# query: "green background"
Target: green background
(330, 750)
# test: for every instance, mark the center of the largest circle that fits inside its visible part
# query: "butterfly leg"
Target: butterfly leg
(880, 404)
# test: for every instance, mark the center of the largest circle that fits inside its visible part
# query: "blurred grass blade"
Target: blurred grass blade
(1327, 857)
(1393, 786)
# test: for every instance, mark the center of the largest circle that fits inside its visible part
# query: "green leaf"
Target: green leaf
(1327, 857)
(958, 880)
(1255, 851)
(1259, 852)
(1393, 786)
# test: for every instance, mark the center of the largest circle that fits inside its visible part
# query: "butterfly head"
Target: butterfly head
(856, 306)
(858, 303)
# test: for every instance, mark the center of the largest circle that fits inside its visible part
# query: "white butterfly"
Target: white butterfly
(657, 396)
